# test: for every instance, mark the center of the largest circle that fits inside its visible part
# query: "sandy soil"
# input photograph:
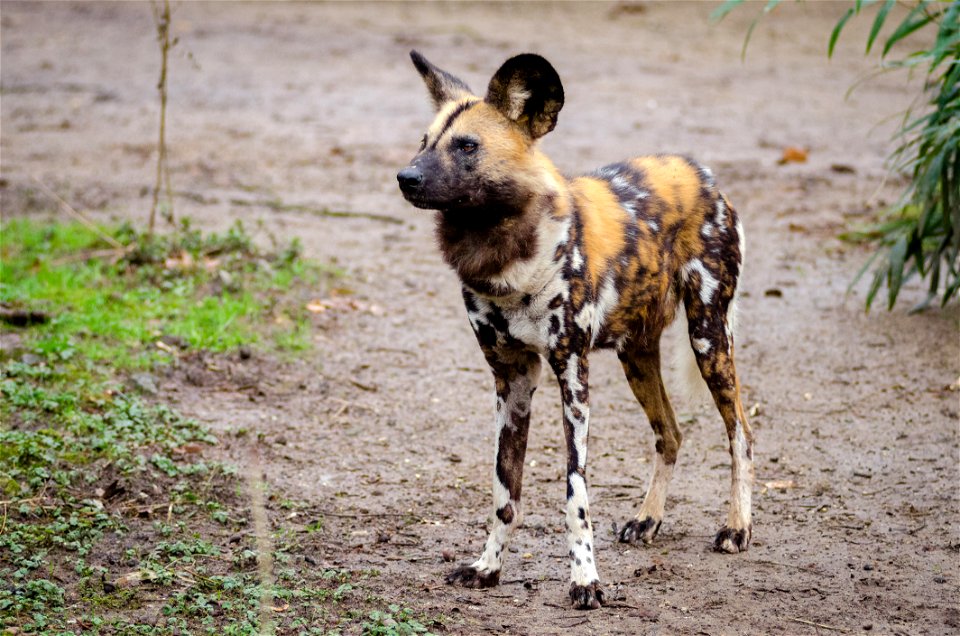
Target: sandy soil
(278, 112)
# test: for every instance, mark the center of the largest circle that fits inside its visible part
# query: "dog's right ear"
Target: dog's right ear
(443, 86)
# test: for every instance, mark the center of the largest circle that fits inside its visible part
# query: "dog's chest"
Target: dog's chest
(533, 322)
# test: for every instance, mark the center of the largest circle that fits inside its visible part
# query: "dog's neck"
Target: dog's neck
(511, 254)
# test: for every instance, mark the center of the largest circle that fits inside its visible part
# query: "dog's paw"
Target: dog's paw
(586, 597)
(635, 531)
(732, 541)
(469, 576)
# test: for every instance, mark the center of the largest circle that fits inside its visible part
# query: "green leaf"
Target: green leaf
(898, 254)
(916, 19)
(720, 12)
(878, 22)
(874, 287)
(836, 31)
(771, 4)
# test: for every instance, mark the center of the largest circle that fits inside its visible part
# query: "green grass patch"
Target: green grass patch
(214, 292)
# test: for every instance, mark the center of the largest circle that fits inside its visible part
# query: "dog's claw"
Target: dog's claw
(469, 576)
(732, 541)
(640, 531)
(586, 597)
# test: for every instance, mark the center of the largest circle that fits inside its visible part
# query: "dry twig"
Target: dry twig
(820, 625)
(66, 207)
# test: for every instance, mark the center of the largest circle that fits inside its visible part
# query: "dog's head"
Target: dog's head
(476, 157)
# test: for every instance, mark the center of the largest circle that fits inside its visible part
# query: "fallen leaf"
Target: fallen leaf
(282, 608)
(341, 303)
(793, 154)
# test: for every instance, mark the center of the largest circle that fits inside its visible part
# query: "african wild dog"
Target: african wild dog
(553, 268)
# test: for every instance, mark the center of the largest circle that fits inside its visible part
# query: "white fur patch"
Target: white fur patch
(583, 567)
(702, 345)
(720, 218)
(576, 260)
(656, 497)
(593, 315)
(741, 486)
(518, 99)
(708, 284)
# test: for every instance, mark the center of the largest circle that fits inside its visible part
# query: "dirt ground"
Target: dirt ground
(281, 111)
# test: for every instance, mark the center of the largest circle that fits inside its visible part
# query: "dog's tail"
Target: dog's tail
(683, 371)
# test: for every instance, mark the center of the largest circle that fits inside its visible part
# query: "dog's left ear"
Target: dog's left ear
(528, 91)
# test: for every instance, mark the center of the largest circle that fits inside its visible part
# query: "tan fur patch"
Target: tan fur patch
(673, 180)
(603, 224)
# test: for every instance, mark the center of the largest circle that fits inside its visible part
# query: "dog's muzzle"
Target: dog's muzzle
(410, 179)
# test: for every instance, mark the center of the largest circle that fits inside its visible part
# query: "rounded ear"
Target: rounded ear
(528, 91)
(443, 86)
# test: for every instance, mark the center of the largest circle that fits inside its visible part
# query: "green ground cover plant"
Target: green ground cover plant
(113, 518)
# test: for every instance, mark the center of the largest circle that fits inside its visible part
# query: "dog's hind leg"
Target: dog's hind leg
(643, 373)
(715, 359)
(516, 380)
(709, 293)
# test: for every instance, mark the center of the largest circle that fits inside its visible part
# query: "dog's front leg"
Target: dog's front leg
(585, 589)
(516, 378)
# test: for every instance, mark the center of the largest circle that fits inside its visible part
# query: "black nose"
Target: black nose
(410, 178)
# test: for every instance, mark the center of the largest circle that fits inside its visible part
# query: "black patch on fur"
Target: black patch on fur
(486, 335)
(469, 576)
(459, 110)
(586, 597)
(634, 531)
(554, 324)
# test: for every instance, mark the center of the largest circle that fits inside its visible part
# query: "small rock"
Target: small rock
(868, 566)
(245, 352)
(447, 555)
(281, 440)
(939, 579)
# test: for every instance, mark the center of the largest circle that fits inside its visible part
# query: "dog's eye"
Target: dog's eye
(466, 146)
